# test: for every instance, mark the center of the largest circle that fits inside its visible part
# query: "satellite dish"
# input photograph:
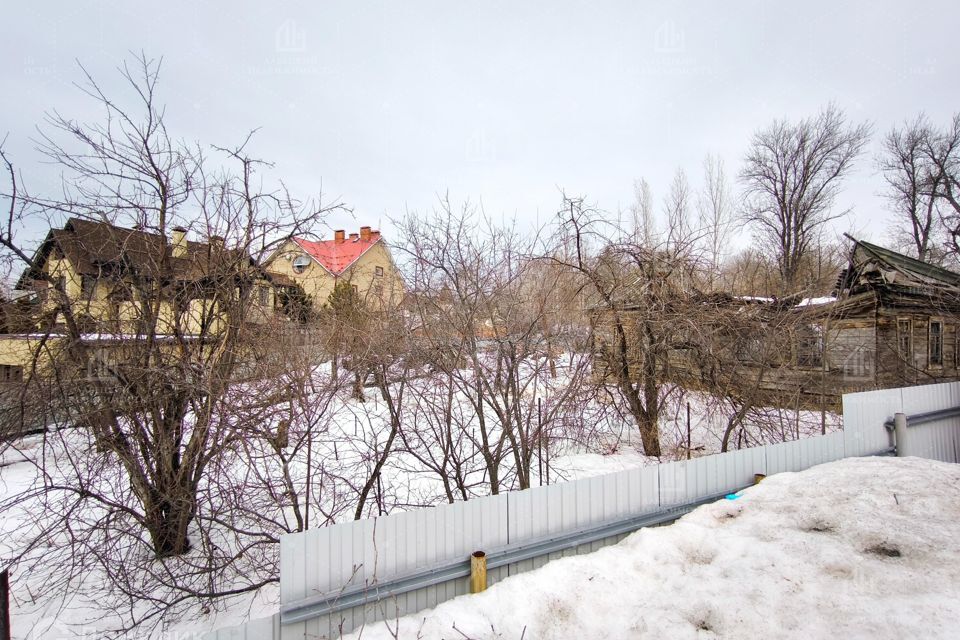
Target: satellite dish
(300, 263)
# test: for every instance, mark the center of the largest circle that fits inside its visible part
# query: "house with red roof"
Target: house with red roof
(361, 259)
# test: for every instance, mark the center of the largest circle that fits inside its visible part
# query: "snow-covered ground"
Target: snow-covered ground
(593, 438)
(860, 548)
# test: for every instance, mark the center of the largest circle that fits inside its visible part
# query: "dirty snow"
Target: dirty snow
(864, 548)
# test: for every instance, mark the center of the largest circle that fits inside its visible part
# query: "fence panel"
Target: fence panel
(542, 512)
(361, 557)
(262, 629)
(937, 440)
(688, 480)
(362, 554)
(863, 417)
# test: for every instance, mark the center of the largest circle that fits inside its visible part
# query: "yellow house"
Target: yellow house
(127, 283)
(361, 259)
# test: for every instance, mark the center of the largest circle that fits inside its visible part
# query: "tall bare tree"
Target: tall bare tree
(791, 176)
(912, 184)
(715, 210)
(942, 150)
(642, 223)
(678, 215)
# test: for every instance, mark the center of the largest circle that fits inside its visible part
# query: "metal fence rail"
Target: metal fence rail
(335, 579)
(327, 604)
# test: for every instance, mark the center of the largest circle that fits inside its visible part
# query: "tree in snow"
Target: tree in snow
(161, 413)
(488, 321)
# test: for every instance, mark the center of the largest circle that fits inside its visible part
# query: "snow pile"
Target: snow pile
(862, 547)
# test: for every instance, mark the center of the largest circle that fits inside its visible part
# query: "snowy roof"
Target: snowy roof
(809, 302)
(338, 254)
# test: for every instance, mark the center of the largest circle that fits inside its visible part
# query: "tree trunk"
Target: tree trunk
(167, 521)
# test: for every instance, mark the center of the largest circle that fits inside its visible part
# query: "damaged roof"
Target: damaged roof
(872, 265)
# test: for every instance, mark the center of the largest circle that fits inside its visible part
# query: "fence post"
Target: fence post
(478, 572)
(5, 605)
(900, 432)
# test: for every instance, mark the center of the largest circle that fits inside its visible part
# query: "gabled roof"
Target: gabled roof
(871, 264)
(337, 256)
(95, 248)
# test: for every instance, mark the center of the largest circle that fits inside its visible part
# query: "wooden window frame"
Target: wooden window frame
(956, 346)
(905, 352)
(938, 364)
(811, 348)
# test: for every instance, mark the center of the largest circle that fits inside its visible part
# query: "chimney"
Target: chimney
(374, 235)
(338, 236)
(365, 234)
(353, 237)
(179, 241)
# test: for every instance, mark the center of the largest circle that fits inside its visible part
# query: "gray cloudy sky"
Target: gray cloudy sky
(390, 103)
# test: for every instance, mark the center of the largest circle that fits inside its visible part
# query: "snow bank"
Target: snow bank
(857, 548)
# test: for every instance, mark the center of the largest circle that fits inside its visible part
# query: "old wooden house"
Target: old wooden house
(891, 321)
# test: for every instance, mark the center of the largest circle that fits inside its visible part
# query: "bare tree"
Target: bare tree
(678, 214)
(636, 294)
(715, 209)
(912, 182)
(490, 321)
(942, 151)
(791, 175)
(642, 224)
(159, 411)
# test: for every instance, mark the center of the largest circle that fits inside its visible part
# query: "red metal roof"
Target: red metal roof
(337, 256)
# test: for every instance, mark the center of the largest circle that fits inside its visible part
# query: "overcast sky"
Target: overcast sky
(388, 104)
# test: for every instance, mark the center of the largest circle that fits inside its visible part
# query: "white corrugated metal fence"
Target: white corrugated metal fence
(335, 579)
